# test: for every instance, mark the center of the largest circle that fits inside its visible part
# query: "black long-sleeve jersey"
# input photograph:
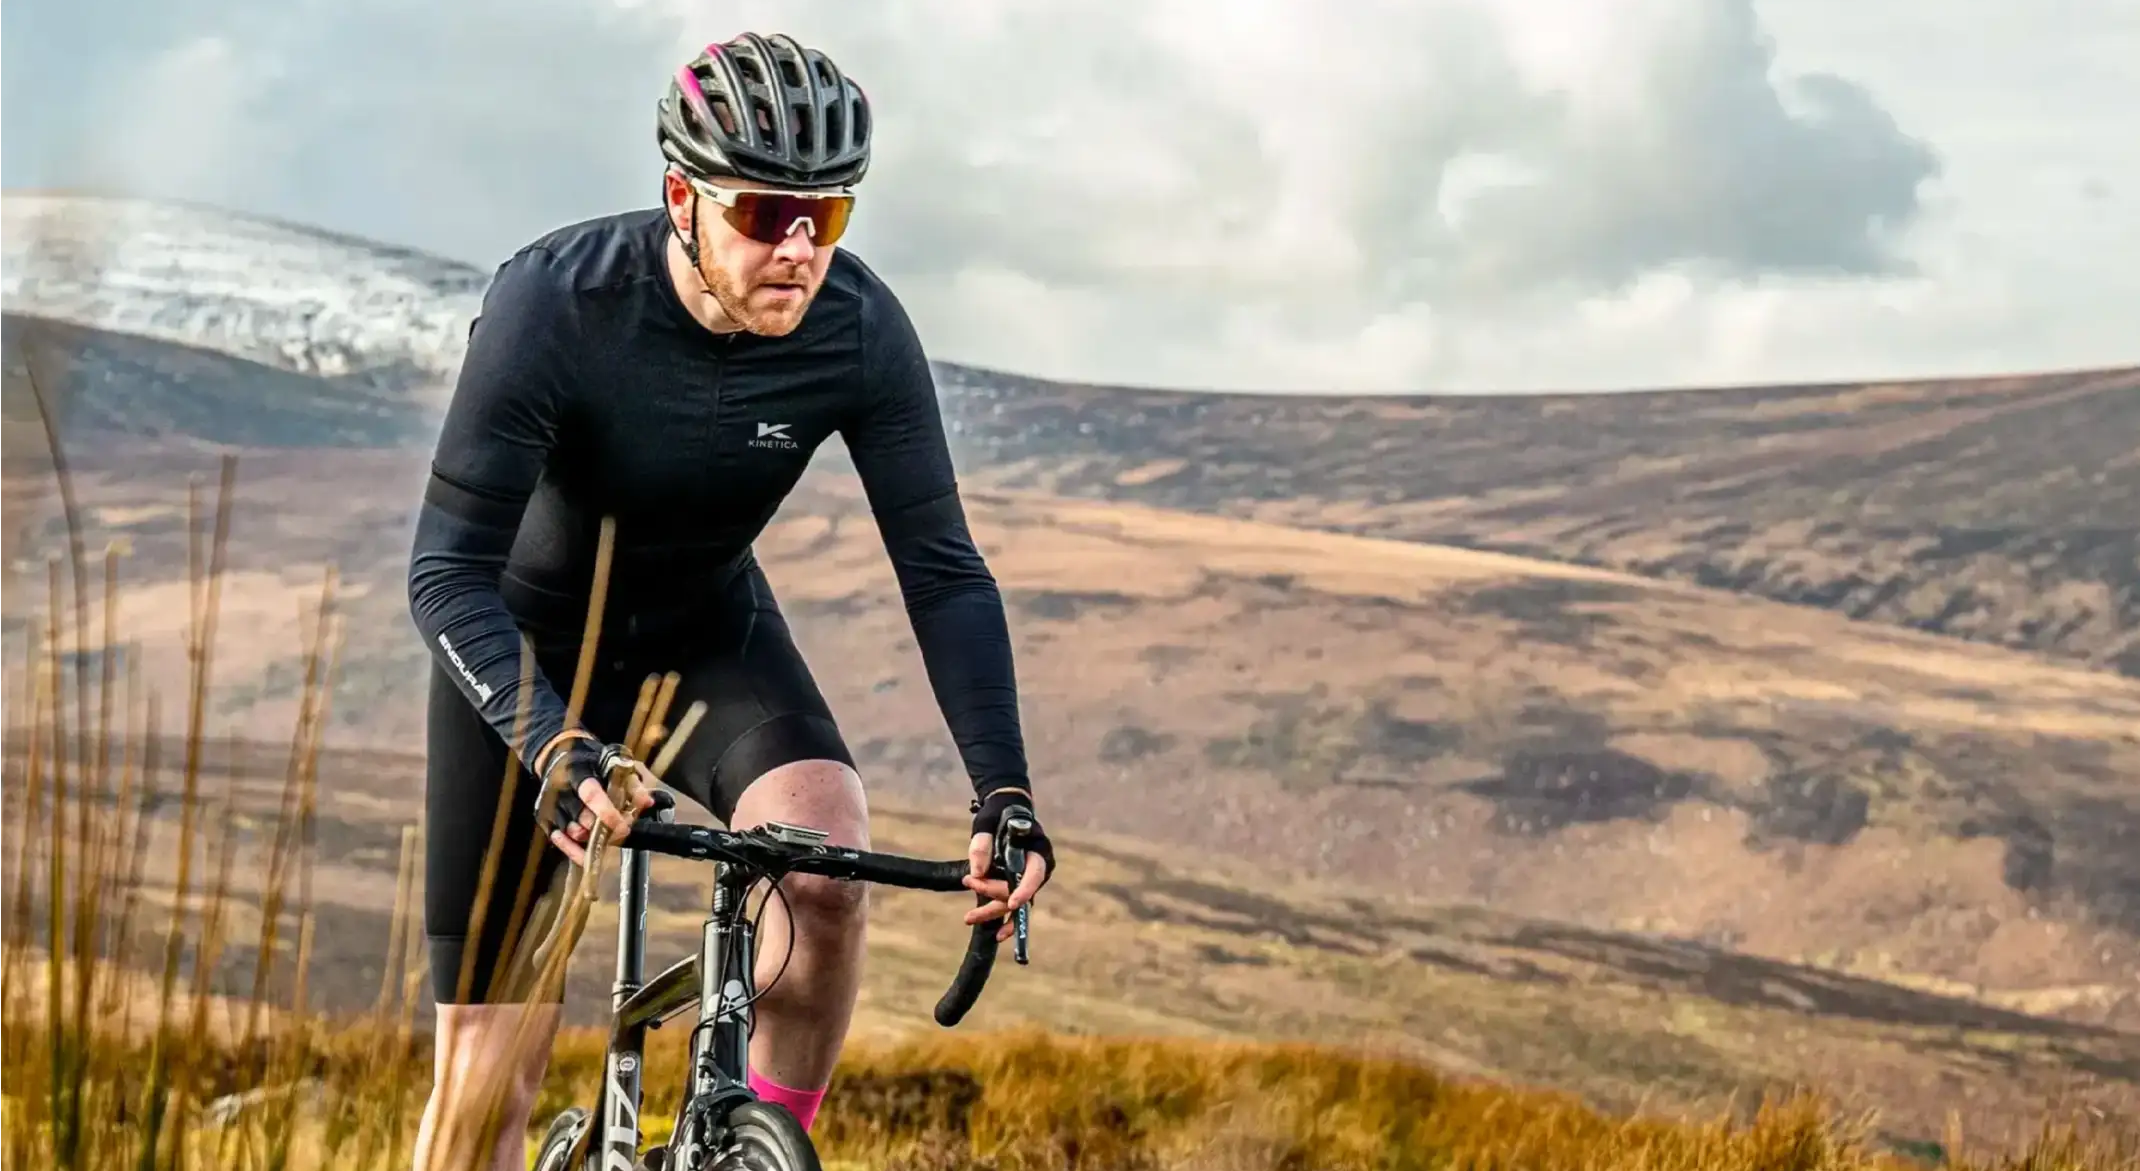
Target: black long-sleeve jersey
(589, 390)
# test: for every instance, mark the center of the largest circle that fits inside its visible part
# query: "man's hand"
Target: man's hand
(1039, 862)
(579, 810)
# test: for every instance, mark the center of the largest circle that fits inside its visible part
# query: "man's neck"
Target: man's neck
(691, 289)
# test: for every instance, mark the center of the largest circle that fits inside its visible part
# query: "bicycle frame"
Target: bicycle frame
(720, 980)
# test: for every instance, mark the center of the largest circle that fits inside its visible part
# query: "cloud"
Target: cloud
(1269, 194)
(1353, 200)
(1712, 163)
(460, 128)
(1281, 149)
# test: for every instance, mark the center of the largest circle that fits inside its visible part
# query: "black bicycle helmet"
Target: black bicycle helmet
(767, 110)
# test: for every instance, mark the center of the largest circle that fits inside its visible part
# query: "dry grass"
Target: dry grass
(1039, 1101)
(107, 1069)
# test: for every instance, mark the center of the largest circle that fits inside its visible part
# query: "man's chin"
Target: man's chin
(776, 314)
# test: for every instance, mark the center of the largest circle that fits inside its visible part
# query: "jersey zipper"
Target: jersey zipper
(720, 380)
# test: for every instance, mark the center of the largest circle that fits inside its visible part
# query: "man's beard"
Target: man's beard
(734, 301)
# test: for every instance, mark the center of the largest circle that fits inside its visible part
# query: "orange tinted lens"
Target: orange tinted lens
(769, 218)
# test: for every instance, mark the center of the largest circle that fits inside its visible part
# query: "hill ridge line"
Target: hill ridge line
(1445, 556)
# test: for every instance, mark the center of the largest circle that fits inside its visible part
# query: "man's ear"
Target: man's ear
(679, 213)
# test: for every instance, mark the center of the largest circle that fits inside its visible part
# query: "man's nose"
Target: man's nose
(797, 248)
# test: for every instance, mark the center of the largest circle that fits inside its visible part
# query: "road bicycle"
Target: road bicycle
(721, 1125)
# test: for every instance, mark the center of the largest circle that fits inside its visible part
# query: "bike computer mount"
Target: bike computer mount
(794, 835)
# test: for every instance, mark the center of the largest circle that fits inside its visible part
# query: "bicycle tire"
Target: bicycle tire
(760, 1136)
(557, 1140)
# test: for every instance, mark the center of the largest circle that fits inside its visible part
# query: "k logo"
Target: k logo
(775, 435)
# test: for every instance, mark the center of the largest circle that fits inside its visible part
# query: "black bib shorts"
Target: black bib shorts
(763, 710)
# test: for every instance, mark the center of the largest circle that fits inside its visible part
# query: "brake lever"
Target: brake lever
(1015, 826)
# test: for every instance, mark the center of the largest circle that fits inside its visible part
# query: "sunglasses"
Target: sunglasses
(770, 217)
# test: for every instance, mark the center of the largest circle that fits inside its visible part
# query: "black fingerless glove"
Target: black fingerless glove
(988, 814)
(575, 761)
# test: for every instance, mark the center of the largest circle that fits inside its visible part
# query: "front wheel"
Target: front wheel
(557, 1141)
(760, 1136)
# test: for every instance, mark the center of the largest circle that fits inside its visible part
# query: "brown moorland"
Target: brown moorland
(1661, 789)
(2001, 510)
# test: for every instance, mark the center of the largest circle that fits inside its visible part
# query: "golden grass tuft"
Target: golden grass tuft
(1031, 1101)
(125, 1050)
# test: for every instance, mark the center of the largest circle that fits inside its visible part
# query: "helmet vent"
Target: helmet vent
(723, 113)
(751, 69)
(790, 76)
(764, 111)
(861, 114)
(804, 143)
(835, 114)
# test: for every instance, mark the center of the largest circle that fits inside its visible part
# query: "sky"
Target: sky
(1373, 195)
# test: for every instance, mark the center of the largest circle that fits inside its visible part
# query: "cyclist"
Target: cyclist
(675, 369)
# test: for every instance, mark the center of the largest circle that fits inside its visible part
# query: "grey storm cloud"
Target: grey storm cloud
(1710, 160)
(1730, 175)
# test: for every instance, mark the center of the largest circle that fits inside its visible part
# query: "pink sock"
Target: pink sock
(801, 1103)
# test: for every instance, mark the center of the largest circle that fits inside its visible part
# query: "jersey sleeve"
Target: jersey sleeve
(505, 414)
(896, 439)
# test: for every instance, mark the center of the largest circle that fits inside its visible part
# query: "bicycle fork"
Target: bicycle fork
(720, 1042)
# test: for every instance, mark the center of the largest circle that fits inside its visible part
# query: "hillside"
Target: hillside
(2004, 511)
(281, 294)
(2000, 510)
(1578, 744)
(117, 386)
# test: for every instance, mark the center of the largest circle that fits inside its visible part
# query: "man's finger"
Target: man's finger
(558, 839)
(1025, 892)
(592, 794)
(597, 800)
(1036, 872)
(643, 782)
(977, 852)
(993, 888)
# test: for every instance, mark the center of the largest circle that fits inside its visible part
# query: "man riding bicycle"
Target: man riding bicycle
(675, 369)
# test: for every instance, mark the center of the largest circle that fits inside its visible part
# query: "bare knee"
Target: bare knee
(820, 794)
(817, 904)
(824, 795)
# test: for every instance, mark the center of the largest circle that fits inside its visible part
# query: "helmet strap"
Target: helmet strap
(689, 239)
